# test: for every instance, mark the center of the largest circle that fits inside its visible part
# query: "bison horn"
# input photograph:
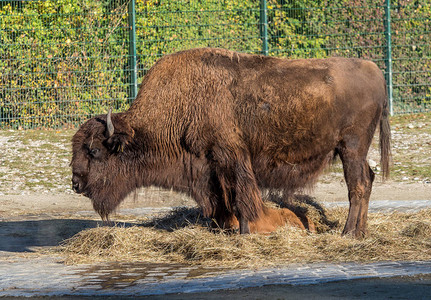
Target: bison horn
(109, 125)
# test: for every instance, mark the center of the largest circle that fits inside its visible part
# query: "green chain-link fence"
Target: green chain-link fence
(66, 60)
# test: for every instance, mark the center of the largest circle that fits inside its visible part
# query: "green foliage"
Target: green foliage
(168, 26)
(64, 61)
(61, 62)
(411, 25)
(296, 29)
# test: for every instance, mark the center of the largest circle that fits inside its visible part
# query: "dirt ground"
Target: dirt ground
(63, 205)
(35, 173)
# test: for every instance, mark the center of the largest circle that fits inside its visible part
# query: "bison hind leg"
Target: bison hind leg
(359, 179)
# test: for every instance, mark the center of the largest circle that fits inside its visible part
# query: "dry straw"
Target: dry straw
(184, 236)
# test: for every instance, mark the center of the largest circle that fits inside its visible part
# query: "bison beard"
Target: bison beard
(221, 125)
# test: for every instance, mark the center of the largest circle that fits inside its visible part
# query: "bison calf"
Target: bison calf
(220, 125)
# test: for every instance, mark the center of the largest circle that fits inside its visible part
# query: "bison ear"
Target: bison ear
(109, 126)
(117, 142)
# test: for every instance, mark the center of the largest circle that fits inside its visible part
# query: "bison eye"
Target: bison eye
(95, 152)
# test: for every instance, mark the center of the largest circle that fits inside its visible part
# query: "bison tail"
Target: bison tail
(385, 141)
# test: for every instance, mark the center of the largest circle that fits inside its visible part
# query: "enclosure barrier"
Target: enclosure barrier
(64, 61)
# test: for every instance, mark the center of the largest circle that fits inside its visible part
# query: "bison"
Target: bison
(221, 125)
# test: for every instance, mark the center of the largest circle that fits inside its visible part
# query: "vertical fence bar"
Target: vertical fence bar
(132, 51)
(264, 27)
(388, 58)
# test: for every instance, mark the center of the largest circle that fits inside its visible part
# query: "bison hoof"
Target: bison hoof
(355, 233)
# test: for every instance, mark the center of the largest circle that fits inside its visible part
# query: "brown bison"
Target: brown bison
(221, 125)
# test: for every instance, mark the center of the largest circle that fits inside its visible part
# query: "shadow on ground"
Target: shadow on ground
(179, 218)
(21, 236)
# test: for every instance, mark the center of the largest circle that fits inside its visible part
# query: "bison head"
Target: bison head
(97, 169)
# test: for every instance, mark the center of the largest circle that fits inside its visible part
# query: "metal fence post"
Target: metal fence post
(264, 26)
(132, 51)
(388, 58)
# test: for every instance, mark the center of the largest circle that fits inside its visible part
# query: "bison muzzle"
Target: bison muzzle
(221, 125)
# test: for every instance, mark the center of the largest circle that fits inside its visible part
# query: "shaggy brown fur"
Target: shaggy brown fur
(220, 125)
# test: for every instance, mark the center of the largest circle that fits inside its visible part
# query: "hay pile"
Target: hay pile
(184, 237)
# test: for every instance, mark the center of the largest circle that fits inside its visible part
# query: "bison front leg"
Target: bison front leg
(248, 200)
(241, 192)
(359, 178)
(244, 227)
